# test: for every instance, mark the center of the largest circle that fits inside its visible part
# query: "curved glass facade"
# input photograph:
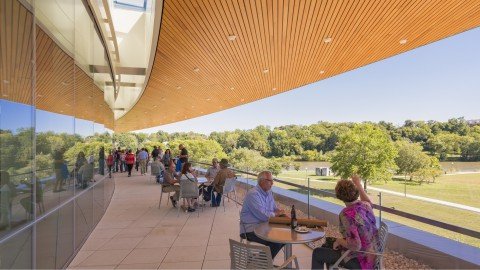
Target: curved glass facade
(54, 131)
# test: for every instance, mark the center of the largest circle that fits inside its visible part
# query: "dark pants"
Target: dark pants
(129, 167)
(330, 256)
(110, 170)
(274, 247)
(217, 198)
(136, 165)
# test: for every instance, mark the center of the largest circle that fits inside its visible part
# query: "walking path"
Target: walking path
(400, 194)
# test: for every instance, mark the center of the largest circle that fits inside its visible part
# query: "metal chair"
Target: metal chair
(229, 187)
(188, 190)
(382, 240)
(245, 256)
(155, 170)
(161, 195)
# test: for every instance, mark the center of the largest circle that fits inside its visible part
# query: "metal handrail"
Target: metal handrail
(432, 222)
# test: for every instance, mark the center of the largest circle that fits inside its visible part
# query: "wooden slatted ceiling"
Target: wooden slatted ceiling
(284, 36)
(61, 86)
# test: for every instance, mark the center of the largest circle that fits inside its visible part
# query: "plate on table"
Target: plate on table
(302, 229)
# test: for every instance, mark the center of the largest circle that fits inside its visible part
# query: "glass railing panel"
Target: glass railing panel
(54, 241)
(16, 252)
(83, 217)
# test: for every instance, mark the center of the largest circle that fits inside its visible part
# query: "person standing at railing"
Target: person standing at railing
(258, 206)
(358, 227)
(182, 158)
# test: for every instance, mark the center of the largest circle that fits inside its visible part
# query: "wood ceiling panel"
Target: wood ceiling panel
(284, 36)
(60, 85)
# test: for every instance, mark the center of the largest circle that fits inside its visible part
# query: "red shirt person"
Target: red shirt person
(130, 160)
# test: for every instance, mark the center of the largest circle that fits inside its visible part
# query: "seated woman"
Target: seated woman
(188, 181)
(357, 225)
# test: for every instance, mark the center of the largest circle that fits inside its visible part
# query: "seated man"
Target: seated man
(258, 207)
(219, 181)
(169, 184)
(206, 188)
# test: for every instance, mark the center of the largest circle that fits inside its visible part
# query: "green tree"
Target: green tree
(410, 158)
(248, 160)
(283, 145)
(252, 139)
(366, 150)
(430, 171)
(200, 150)
(126, 141)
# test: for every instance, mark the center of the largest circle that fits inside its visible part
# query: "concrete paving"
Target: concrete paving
(135, 234)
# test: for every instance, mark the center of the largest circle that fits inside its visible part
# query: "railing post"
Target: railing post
(380, 203)
(308, 198)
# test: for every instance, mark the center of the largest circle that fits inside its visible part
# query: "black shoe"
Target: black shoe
(174, 203)
(190, 209)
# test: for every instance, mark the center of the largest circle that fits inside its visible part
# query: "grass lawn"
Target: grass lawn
(461, 188)
(449, 188)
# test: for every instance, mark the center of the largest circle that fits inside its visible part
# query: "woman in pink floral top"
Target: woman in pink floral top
(358, 227)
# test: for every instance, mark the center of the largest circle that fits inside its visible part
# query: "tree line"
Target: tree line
(377, 150)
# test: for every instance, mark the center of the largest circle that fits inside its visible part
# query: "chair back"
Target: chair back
(229, 185)
(245, 256)
(188, 189)
(155, 168)
(382, 241)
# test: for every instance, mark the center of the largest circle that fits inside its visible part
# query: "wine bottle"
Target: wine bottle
(293, 218)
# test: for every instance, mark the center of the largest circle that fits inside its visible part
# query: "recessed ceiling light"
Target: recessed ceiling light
(68, 104)
(327, 40)
(196, 69)
(403, 41)
(163, 98)
(5, 95)
(322, 71)
(193, 106)
(145, 112)
(232, 38)
(61, 111)
(154, 106)
(274, 89)
(265, 70)
(242, 100)
(65, 83)
(185, 117)
(90, 97)
(231, 88)
(178, 112)
(39, 95)
(208, 99)
(6, 82)
(201, 112)
(179, 87)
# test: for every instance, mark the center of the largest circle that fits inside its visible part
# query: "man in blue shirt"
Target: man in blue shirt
(258, 207)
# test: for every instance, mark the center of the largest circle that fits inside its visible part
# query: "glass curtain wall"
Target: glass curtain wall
(54, 131)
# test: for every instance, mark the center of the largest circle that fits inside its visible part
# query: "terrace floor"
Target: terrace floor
(135, 234)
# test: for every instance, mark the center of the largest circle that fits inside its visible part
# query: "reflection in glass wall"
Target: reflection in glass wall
(54, 132)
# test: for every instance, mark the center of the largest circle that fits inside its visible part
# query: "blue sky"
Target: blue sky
(435, 82)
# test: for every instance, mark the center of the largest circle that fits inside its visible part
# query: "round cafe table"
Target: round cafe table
(283, 234)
